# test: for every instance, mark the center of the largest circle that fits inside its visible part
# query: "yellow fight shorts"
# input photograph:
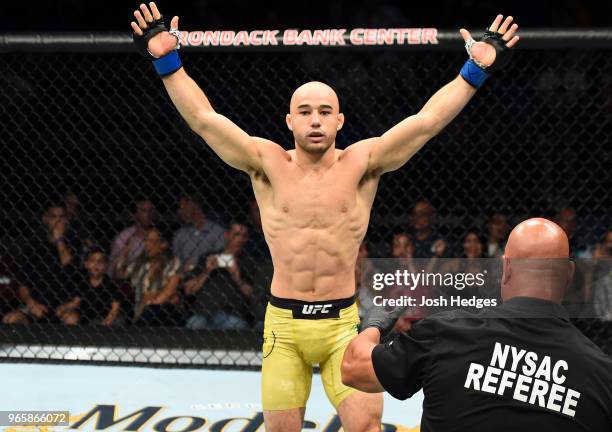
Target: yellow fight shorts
(297, 336)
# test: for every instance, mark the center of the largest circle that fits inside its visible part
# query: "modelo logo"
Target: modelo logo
(315, 309)
(107, 418)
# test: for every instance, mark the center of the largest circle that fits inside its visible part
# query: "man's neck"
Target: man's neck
(315, 161)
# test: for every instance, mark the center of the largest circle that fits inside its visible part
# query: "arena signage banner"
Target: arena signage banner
(325, 37)
(118, 399)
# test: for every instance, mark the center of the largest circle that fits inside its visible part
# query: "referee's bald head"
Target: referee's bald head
(536, 261)
(537, 238)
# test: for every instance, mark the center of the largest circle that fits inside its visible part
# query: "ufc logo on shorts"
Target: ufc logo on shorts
(314, 309)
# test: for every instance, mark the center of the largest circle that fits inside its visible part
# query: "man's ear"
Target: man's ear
(506, 275)
(507, 272)
(340, 121)
(288, 120)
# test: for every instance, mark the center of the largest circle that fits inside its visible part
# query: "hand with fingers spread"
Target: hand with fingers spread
(154, 41)
(492, 52)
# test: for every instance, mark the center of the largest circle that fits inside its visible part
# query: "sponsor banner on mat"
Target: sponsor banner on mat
(117, 399)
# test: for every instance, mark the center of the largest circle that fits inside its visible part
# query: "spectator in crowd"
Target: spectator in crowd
(402, 247)
(9, 286)
(97, 298)
(473, 246)
(47, 268)
(223, 294)
(568, 220)
(427, 241)
(470, 262)
(199, 237)
(130, 241)
(77, 225)
(155, 277)
(403, 250)
(497, 230)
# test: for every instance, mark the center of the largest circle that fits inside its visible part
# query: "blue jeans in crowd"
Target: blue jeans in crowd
(219, 321)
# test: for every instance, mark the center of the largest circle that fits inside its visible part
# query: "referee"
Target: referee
(519, 367)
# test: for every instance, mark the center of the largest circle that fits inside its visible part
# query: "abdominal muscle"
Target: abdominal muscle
(314, 222)
(315, 263)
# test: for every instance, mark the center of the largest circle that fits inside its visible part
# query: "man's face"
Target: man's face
(96, 264)
(422, 216)
(498, 226)
(402, 246)
(153, 243)
(144, 213)
(185, 210)
(237, 236)
(54, 216)
(314, 117)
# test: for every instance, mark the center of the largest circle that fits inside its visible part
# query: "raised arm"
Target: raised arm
(396, 146)
(233, 145)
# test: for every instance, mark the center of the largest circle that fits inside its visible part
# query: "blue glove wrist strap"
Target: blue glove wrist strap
(168, 64)
(473, 74)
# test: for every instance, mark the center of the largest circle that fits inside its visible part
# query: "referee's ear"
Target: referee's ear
(571, 269)
(506, 272)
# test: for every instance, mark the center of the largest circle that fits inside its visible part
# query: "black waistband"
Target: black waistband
(313, 310)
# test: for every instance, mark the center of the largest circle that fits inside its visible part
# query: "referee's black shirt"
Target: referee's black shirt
(499, 371)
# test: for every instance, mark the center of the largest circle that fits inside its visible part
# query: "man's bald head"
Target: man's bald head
(536, 261)
(314, 90)
(537, 238)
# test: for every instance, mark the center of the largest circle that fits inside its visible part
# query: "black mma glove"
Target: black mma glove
(382, 319)
(167, 64)
(475, 72)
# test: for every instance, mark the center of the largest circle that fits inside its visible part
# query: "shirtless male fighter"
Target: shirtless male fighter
(315, 203)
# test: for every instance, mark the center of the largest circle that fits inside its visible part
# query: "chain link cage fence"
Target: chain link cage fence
(125, 239)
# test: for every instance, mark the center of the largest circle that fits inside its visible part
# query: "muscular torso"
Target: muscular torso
(314, 221)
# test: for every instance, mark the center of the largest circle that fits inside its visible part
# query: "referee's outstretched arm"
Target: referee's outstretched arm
(357, 368)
